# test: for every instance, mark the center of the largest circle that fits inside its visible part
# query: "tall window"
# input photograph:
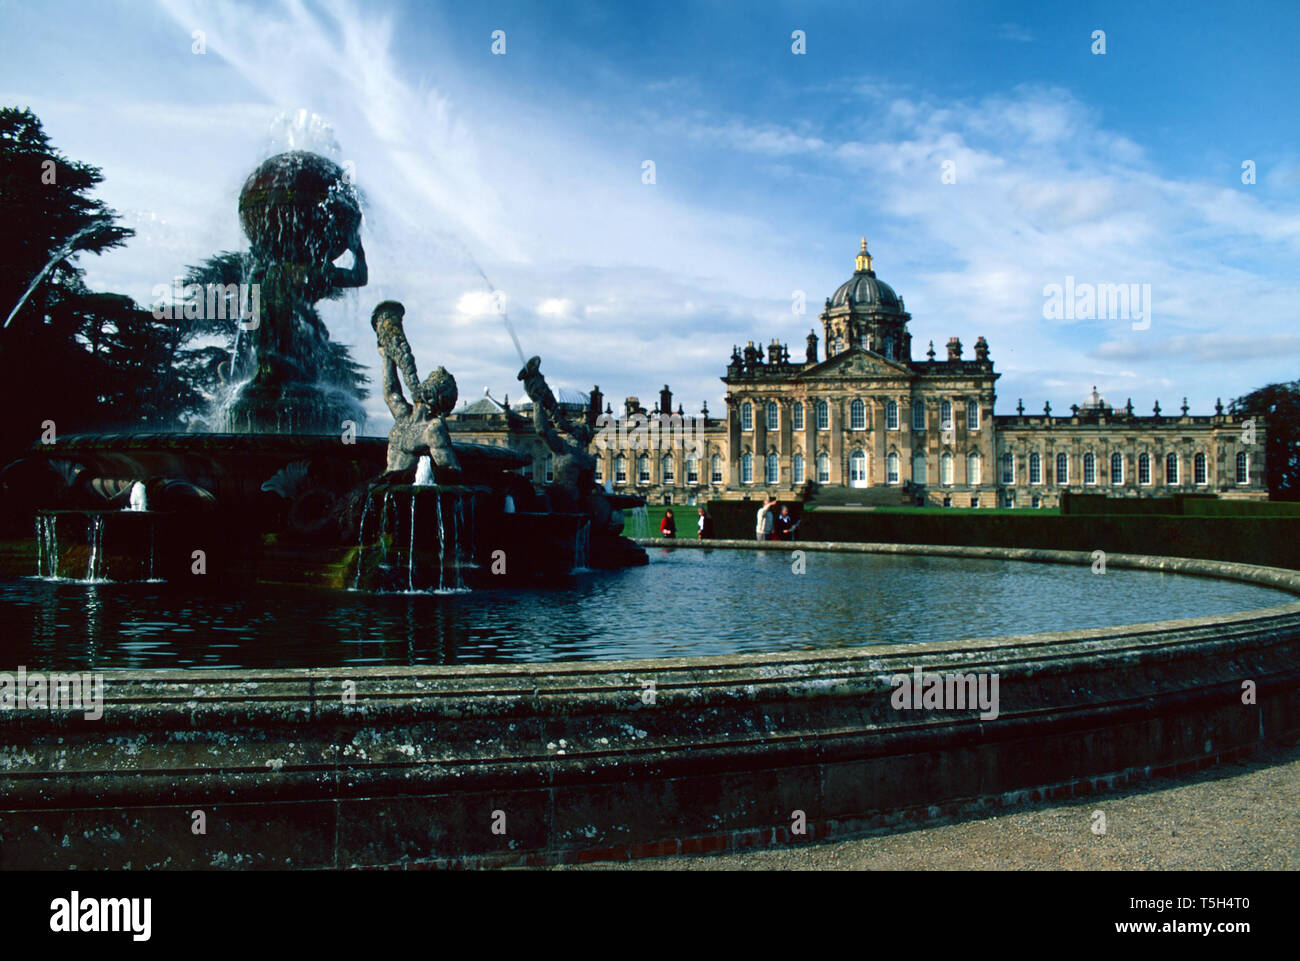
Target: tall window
(643, 469)
(891, 469)
(1116, 469)
(1171, 469)
(945, 415)
(858, 468)
(773, 416)
(918, 415)
(973, 472)
(823, 468)
(918, 468)
(746, 416)
(773, 473)
(715, 469)
(692, 470)
(945, 470)
(796, 416)
(1089, 469)
(1198, 469)
(1062, 469)
(747, 468)
(972, 415)
(1008, 468)
(891, 415)
(797, 469)
(858, 416)
(1144, 468)
(600, 470)
(620, 469)
(1035, 469)
(667, 473)
(823, 415)
(1243, 468)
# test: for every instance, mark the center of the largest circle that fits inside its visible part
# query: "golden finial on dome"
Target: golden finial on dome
(864, 259)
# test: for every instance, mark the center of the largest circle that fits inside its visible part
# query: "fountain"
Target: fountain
(287, 492)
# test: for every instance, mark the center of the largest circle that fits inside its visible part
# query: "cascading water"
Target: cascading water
(139, 498)
(95, 535)
(424, 471)
(581, 547)
(640, 525)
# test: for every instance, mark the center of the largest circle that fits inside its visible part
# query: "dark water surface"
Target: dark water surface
(685, 602)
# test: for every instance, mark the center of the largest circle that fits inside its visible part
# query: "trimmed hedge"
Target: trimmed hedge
(1273, 541)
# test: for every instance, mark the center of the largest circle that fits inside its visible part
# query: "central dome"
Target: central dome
(864, 289)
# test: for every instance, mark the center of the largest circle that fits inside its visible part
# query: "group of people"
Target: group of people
(704, 525)
(770, 526)
(778, 527)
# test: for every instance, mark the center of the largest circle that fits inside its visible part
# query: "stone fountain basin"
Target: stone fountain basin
(339, 767)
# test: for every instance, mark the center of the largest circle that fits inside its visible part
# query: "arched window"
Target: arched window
(1008, 468)
(773, 472)
(797, 469)
(891, 468)
(858, 469)
(1199, 475)
(1243, 468)
(858, 415)
(1144, 468)
(746, 416)
(747, 468)
(667, 474)
(773, 416)
(620, 469)
(1116, 469)
(796, 416)
(973, 470)
(945, 470)
(643, 469)
(1171, 469)
(600, 470)
(891, 415)
(1035, 468)
(945, 415)
(823, 468)
(692, 469)
(918, 468)
(823, 415)
(550, 467)
(972, 415)
(715, 469)
(1062, 469)
(918, 415)
(1089, 469)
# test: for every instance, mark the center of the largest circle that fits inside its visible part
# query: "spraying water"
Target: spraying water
(139, 499)
(59, 254)
(424, 471)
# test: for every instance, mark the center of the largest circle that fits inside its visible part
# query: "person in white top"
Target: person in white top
(763, 522)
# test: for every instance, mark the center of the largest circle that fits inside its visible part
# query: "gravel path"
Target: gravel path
(1239, 815)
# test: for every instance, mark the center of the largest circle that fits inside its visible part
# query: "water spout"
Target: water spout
(139, 499)
(424, 471)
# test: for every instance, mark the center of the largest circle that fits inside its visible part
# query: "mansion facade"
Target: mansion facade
(862, 423)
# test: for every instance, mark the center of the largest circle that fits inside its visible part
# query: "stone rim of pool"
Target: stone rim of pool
(726, 753)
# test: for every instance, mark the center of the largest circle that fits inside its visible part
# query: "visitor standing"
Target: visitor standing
(668, 526)
(763, 523)
(705, 525)
(785, 525)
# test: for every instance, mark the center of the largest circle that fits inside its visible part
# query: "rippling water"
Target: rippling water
(686, 602)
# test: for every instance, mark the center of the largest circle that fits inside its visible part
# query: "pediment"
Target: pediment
(857, 362)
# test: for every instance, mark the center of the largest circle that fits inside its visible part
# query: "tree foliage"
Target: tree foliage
(1279, 406)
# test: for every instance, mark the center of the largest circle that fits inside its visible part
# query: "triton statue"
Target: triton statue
(418, 425)
(574, 469)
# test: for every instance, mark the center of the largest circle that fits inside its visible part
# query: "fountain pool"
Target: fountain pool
(684, 603)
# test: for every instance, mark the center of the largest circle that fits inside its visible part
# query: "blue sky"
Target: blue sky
(1115, 168)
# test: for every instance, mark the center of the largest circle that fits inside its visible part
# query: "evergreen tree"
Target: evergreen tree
(1279, 406)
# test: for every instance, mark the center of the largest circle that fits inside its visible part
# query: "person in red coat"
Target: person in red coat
(668, 526)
